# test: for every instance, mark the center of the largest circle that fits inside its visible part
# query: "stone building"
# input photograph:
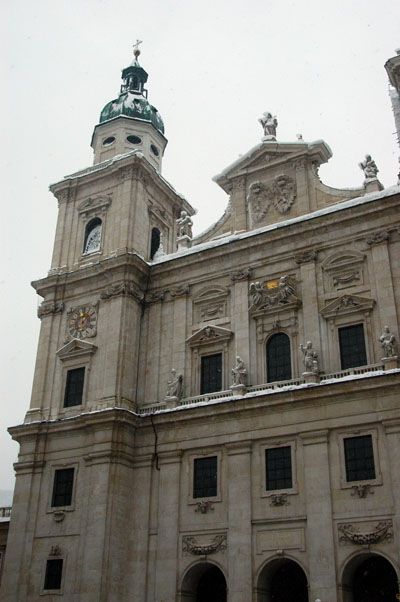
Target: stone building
(212, 418)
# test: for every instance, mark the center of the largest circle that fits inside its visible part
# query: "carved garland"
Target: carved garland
(190, 545)
(47, 308)
(382, 532)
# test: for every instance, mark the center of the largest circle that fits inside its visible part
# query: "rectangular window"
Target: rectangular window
(352, 346)
(74, 387)
(359, 458)
(53, 575)
(278, 465)
(211, 373)
(205, 477)
(62, 488)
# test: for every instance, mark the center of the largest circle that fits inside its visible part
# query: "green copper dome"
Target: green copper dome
(132, 101)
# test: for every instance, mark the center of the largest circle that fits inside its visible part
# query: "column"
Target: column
(320, 543)
(309, 291)
(392, 428)
(168, 526)
(239, 525)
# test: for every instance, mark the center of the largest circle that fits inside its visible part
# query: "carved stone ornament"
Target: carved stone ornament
(284, 193)
(305, 256)
(281, 194)
(94, 205)
(362, 491)
(154, 297)
(209, 334)
(347, 304)
(55, 551)
(210, 304)
(175, 385)
(47, 308)
(388, 342)
(204, 507)
(58, 516)
(122, 289)
(383, 531)
(377, 237)
(82, 322)
(239, 373)
(261, 298)
(241, 275)
(279, 499)
(217, 544)
(310, 358)
(180, 291)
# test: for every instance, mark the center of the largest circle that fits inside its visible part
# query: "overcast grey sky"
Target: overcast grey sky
(214, 67)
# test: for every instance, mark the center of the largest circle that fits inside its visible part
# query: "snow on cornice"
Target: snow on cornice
(367, 198)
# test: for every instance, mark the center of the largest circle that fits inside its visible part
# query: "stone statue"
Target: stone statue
(388, 342)
(286, 289)
(269, 124)
(369, 168)
(310, 358)
(239, 373)
(257, 293)
(184, 223)
(174, 385)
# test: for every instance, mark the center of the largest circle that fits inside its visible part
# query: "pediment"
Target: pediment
(347, 304)
(209, 334)
(76, 348)
(98, 204)
(343, 259)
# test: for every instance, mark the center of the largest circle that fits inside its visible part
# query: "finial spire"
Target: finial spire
(136, 50)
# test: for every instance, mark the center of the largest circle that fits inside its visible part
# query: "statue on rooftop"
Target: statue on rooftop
(269, 124)
(369, 168)
(310, 358)
(184, 223)
(388, 342)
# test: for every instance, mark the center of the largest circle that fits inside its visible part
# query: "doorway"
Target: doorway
(204, 582)
(282, 580)
(369, 578)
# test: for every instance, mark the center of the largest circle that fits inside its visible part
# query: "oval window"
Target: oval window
(134, 139)
(154, 150)
(108, 141)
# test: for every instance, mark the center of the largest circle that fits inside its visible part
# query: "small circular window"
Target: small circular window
(154, 150)
(108, 141)
(134, 139)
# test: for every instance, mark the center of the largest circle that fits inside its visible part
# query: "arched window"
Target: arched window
(155, 241)
(92, 236)
(279, 364)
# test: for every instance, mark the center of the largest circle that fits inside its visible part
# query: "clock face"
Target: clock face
(82, 322)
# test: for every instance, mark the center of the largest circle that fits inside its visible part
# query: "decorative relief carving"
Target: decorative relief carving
(62, 196)
(127, 289)
(343, 269)
(47, 308)
(210, 304)
(82, 322)
(383, 531)
(204, 507)
(94, 205)
(190, 545)
(347, 304)
(377, 237)
(305, 256)
(241, 275)
(362, 491)
(155, 297)
(282, 292)
(279, 499)
(180, 291)
(209, 334)
(58, 516)
(281, 194)
(55, 551)
(212, 311)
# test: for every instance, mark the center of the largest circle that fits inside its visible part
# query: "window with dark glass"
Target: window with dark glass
(278, 465)
(205, 477)
(74, 387)
(279, 364)
(211, 373)
(352, 346)
(155, 241)
(62, 487)
(359, 458)
(53, 575)
(92, 236)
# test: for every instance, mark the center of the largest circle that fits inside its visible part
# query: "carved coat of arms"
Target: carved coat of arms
(281, 194)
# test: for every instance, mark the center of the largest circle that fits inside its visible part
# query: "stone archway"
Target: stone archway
(204, 582)
(282, 580)
(369, 577)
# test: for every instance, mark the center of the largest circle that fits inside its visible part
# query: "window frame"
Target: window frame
(56, 471)
(196, 462)
(72, 364)
(344, 483)
(293, 454)
(192, 457)
(341, 328)
(207, 355)
(267, 341)
(53, 468)
(96, 219)
(67, 373)
(53, 592)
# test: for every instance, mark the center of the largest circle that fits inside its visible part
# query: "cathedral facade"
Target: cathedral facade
(212, 418)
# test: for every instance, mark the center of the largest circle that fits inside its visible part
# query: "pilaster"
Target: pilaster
(383, 278)
(308, 277)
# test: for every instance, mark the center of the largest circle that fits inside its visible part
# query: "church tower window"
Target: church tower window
(279, 365)
(74, 387)
(155, 241)
(92, 236)
(62, 488)
(52, 580)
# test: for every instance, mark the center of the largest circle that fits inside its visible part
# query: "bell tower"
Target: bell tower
(130, 122)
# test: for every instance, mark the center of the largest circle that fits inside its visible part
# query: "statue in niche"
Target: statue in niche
(369, 168)
(388, 342)
(184, 223)
(239, 373)
(269, 124)
(310, 358)
(175, 385)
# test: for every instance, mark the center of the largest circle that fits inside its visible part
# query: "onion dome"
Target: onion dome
(132, 101)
